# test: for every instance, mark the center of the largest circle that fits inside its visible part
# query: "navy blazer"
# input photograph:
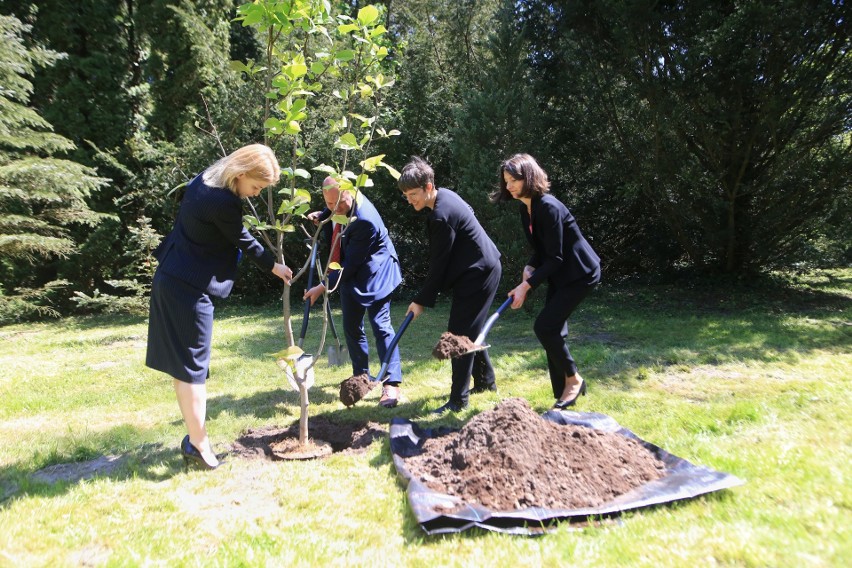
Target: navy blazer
(458, 246)
(204, 245)
(561, 254)
(367, 255)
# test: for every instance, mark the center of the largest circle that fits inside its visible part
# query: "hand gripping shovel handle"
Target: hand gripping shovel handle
(490, 322)
(403, 326)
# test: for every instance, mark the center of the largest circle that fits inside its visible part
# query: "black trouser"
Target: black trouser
(551, 328)
(472, 298)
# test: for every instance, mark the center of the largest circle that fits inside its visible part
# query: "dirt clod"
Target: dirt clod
(355, 388)
(511, 458)
(450, 345)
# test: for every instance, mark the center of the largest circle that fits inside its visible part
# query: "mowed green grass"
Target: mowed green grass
(754, 382)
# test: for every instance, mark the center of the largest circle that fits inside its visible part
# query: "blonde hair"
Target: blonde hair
(255, 160)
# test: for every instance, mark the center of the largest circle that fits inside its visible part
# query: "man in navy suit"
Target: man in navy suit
(463, 260)
(369, 272)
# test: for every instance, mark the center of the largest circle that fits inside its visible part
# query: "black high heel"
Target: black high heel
(191, 456)
(563, 404)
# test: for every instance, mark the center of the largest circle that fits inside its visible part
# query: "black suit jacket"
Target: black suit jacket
(203, 247)
(458, 246)
(561, 253)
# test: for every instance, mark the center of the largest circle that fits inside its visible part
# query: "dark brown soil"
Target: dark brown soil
(344, 437)
(450, 346)
(355, 388)
(511, 458)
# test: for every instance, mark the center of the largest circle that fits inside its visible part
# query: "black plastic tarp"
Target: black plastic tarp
(683, 480)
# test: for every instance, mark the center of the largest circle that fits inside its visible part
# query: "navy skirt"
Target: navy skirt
(180, 330)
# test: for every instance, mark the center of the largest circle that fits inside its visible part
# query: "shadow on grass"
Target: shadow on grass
(94, 459)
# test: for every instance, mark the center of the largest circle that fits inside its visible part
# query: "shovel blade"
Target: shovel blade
(337, 356)
(472, 350)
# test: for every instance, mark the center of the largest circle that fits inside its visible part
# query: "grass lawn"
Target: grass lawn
(754, 383)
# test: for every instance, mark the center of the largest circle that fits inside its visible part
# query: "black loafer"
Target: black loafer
(449, 407)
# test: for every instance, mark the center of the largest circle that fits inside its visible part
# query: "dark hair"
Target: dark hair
(416, 173)
(523, 167)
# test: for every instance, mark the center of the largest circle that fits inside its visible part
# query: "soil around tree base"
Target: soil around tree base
(344, 437)
(510, 458)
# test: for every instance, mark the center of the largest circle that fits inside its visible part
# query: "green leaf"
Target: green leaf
(345, 55)
(293, 127)
(346, 28)
(394, 174)
(303, 195)
(370, 163)
(364, 181)
(325, 168)
(378, 30)
(302, 173)
(347, 142)
(292, 353)
(334, 266)
(340, 219)
(367, 15)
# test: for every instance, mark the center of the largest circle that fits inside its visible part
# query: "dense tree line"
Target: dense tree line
(709, 136)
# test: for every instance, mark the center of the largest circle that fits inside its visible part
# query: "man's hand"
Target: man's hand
(314, 293)
(282, 272)
(415, 309)
(314, 217)
(520, 295)
(528, 271)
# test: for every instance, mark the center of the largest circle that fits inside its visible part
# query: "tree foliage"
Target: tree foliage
(42, 195)
(730, 120)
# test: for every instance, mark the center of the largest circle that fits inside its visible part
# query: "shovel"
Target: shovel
(479, 344)
(352, 389)
(336, 354)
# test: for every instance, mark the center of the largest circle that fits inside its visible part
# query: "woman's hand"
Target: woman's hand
(282, 272)
(415, 309)
(314, 293)
(519, 294)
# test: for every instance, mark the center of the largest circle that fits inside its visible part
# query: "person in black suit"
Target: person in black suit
(562, 256)
(198, 259)
(463, 260)
(369, 272)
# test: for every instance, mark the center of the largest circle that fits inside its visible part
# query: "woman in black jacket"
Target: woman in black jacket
(562, 256)
(463, 261)
(198, 259)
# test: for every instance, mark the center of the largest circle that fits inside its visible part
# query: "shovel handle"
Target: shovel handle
(487, 327)
(402, 327)
(307, 310)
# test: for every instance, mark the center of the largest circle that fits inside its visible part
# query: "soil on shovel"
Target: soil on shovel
(344, 437)
(511, 458)
(355, 388)
(450, 346)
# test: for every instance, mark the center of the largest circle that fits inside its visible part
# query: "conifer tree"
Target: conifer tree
(42, 195)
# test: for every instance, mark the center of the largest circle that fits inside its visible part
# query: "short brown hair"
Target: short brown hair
(522, 167)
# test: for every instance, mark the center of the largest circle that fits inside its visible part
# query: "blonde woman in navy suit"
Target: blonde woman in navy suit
(198, 259)
(562, 256)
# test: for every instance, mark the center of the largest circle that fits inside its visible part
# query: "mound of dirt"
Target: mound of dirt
(511, 458)
(355, 388)
(450, 346)
(344, 437)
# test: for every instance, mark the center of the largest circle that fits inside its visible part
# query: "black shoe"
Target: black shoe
(487, 388)
(191, 456)
(563, 404)
(449, 407)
